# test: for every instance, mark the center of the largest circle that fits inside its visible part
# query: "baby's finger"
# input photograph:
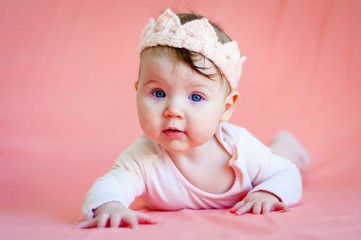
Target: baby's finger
(280, 206)
(91, 223)
(103, 220)
(237, 206)
(266, 207)
(257, 208)
(245, 208)
(115, 220)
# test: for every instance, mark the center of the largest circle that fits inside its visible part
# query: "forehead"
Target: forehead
(196, 62)
(167, 68)
(156, 54)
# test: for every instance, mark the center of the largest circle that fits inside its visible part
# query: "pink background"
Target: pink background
(67, 101)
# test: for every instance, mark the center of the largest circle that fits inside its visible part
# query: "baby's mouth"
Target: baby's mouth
(174, 133)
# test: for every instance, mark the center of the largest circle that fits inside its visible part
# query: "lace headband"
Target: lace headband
(196, 36)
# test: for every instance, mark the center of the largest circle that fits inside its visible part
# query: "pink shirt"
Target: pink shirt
(146, 170)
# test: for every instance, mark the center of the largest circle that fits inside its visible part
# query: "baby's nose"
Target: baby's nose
(174, 110)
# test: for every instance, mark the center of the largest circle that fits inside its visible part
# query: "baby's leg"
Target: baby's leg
(286, 145)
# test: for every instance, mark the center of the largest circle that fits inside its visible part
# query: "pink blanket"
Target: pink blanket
(67, 109)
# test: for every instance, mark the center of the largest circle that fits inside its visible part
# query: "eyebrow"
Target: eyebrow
(190, 84)
(153, 81)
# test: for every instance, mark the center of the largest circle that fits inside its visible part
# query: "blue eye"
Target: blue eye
(158, 94)
(196, 97)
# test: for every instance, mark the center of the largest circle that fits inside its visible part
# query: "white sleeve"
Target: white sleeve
(272, 173)
(123, 183)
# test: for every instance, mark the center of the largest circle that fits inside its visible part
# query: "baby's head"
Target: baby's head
(197, 42)
(189, 69)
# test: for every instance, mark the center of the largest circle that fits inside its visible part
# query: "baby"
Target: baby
(190, 157)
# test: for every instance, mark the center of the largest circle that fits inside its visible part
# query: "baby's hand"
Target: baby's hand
(259, 202)
(115, 214)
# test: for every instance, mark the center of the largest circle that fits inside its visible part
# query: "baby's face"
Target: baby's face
(178, 108)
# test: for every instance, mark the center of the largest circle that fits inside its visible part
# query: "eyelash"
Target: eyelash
(194, 97)
(199, 97)
(156, 93)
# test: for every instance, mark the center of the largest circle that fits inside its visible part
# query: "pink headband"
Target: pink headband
(196, 36)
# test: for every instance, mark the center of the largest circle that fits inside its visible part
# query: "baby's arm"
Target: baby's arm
(272, 192)
(107, 201)
(276, 181)
(115, 214)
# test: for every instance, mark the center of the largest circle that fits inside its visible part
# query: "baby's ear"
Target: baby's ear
(136, 85)
(229, 106)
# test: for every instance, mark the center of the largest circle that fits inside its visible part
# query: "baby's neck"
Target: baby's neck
(200, 154)
(201, 166)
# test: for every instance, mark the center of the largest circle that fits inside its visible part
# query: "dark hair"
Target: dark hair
(190, 57)
(188, 17)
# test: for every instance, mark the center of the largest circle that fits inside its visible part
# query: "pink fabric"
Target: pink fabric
(67, 70)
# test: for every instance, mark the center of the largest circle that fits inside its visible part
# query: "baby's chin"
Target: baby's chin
(175, 146)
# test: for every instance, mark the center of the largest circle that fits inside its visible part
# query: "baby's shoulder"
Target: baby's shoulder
(143, 148)
(240, 137)
(236, 133)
